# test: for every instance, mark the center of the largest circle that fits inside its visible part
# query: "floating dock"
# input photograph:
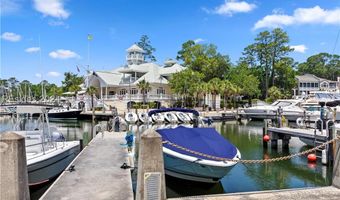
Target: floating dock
(301, 133)
(97, 173)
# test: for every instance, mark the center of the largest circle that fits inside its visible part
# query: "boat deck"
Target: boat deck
(299, 132)
(97, 173)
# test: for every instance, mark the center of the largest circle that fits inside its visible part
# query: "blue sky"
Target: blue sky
(63, 25)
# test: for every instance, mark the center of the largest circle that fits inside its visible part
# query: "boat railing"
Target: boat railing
(45, 146)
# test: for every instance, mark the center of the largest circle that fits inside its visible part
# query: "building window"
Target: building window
(332, 85)
(316, 85)
(122, 92)
(160, 90)
(304, 84)
(300, 84)
(312, 85)
(133, 91)
(324, 85)
(308, 84)
(112, 93)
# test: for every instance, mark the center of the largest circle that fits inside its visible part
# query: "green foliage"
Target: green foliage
(91, 90)
(268, 49)
(274, 93)
(204, 59)
(145, 44)
(323, 65)
(71, 82)
(144, 86)
(242, 77)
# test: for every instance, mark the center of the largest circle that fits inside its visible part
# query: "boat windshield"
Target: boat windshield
(312, 108)
(282, 103)
(323, 96)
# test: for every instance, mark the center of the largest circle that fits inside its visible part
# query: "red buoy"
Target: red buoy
(311, 157)
(266, 138)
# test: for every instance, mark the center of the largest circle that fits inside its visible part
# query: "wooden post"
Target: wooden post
(13, 167)
(150, 178)
(264, 132)
(81, 144)
(336, 166)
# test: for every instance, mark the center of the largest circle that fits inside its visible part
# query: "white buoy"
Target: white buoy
(324, 157)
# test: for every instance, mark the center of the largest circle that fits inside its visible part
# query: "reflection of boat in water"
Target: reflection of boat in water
(47, 152)
(179, 163)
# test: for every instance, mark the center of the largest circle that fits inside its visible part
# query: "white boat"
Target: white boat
(144, 118)
(170, 117)
(290, 110)
(131, 117)
(183, 117)
(47, 156)
(209, 162)
(158, 117)
(64, 113)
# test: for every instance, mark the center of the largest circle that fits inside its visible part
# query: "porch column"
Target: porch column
(101, 93)
(106, 91)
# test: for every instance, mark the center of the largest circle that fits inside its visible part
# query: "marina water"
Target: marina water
(247, 136)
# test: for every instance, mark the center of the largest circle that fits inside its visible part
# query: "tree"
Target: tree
(242, 76)
(264, 54)
(285, 75)
(215, 88)
(70, 80)
(145, 44)
(204, 59)
(323, 65)
(144, 86)
(274, 94)
(186, 83)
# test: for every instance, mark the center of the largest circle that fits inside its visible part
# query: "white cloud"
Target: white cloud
(53, 74)
(315, 15)
(299, 48)
(198, 40)
(32, 49)
(9, 6)
(63, 54)
(13, 37)
(38, 75)
(53, 8)
(231, 7)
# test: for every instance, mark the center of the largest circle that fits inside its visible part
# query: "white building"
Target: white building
(309, 82)
(119, 86)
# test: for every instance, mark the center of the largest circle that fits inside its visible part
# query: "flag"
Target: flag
(89, 37)
(78, 69)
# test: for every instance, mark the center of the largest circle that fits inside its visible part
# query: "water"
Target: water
(294, 173)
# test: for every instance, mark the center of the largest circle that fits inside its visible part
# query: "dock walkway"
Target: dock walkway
(299, 132)
(97, 173)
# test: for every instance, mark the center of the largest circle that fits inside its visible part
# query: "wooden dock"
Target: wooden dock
(299, 132)
(97, 173)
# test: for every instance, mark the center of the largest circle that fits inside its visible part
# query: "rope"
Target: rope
(251, 161)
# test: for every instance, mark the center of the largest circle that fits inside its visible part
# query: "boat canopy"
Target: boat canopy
(203, 140)
(333, 103)
(30, 109)
(173, 109)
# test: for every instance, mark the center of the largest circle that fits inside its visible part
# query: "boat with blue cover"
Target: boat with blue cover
(197, 154)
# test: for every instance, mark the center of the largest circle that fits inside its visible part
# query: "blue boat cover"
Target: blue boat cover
(203, 140)
(173, 109)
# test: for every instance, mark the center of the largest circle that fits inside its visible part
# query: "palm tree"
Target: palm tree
(204, 89)
(226, 87)
(144, 87)
(214, 87)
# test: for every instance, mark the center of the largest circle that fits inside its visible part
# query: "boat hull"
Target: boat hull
(44, 170)
(65, 114)
(193, 171)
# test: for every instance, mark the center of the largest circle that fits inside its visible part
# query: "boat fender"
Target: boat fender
(299, 122)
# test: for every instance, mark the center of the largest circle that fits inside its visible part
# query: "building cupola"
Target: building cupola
(135, 55)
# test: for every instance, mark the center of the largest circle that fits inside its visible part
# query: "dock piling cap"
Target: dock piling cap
(9, 136)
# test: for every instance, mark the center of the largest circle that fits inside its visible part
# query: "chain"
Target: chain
(251, 161)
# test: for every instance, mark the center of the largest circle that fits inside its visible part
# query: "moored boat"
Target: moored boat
(131, 117)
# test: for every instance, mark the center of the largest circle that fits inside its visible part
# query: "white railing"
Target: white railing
(137, 97)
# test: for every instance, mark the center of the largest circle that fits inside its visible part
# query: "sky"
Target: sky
(42, 39)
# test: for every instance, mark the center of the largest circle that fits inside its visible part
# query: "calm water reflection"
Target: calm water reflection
(294, 173)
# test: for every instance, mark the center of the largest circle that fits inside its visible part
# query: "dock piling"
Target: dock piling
(13, 167)
(336, 166)
(150, 178)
